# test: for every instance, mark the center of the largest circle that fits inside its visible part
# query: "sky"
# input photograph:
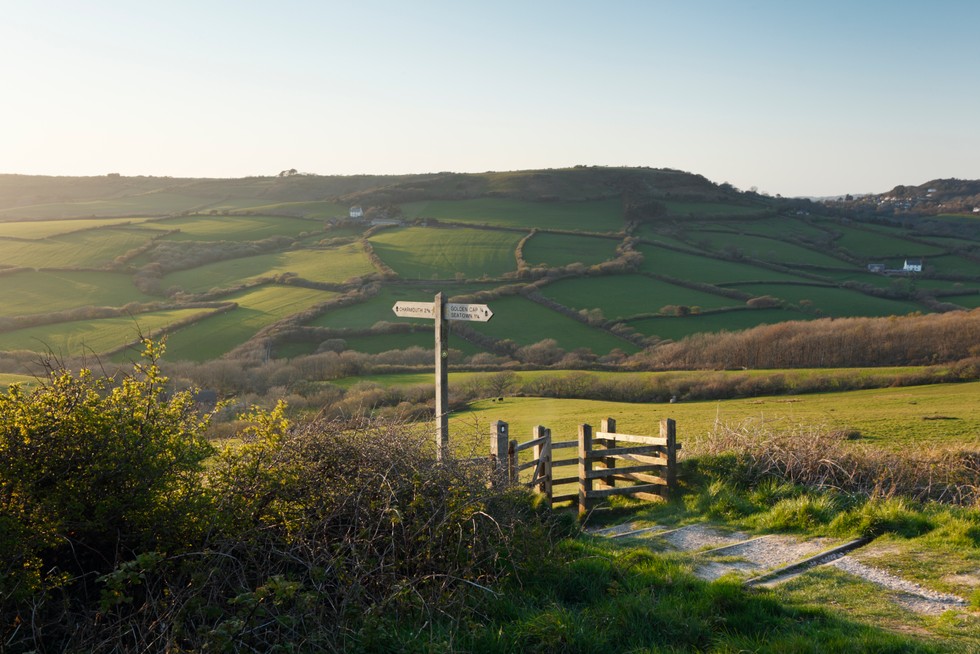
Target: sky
(792, 98)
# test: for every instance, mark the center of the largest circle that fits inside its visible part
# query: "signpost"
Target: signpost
(441, 312)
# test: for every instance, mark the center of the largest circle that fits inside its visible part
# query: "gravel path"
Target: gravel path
(723, 552)
(910, 595)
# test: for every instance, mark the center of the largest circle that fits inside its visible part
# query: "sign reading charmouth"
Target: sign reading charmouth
(442, 312)
(471, 312)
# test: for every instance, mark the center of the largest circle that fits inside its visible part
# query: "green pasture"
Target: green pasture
(29, 292)
(526, 322)
(425, 253)
(952, 264)
(898, 418)
(86, 337)
(664, 234)
(876, 244)
(784, 227)
(7, 379)
(584, 216)
(678, 208)
(154, 203)
(697, 268)
(316, 210)
(326, 265)
(622, 296)
(968, 301)
(833, 301)
(37, 229)
(563, 249)
(235, 228)
(765, 249)
(677, 327)
(89, 249)
(377, 308)
(257, 308)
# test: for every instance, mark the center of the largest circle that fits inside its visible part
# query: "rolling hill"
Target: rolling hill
(603, 261)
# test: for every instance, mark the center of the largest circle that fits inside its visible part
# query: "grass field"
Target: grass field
(952, 264)
(257, 308)
(154, 203)
(526, 322)
(89, 249)
(331, 265)
(587, 216)
(681, 265)
(765, 249)
(379, 308)
(31, 292)
(621, 296)
(314, 210)
(786, 227)
(235, 228)
(563, 249)
(87, 337)
(710, 209)
(873, 243)
(833, 301)
(896, 418)
(6, 379)
(441, 253)
(677, 327)
(37, 229)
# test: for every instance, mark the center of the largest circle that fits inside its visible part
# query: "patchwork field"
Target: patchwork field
(37, 229)
(586, 216)
(563, 249)
(622, 296)
(425, 253)
(326, 265)
(683, 265)
(711, 209)
(89, 249)
(765, 249)
(833, 301)
(31, 292)
(235, 228)
(257, 308)
(525, 323)
(92, 337)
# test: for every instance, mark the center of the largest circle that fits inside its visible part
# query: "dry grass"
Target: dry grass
(821, 458)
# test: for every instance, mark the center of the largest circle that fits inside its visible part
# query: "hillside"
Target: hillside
(584, 266)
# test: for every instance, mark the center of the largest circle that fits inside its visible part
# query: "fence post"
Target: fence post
(607, 425)
(538, 453)
(548, 486)
(668, 430)
(498, 452)
(584, 468)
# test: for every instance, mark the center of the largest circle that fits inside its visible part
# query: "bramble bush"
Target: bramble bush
(122, 529)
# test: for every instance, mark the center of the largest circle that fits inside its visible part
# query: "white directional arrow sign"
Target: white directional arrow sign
(471, 312)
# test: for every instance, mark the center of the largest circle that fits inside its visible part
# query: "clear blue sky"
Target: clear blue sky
(814, 98)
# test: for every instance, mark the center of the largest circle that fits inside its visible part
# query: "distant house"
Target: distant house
(876, 267)
(912, 265)
(356, 212)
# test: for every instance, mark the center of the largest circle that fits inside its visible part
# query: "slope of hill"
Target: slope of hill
(598, 262)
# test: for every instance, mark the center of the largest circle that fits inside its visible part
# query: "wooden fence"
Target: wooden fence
(605, 466)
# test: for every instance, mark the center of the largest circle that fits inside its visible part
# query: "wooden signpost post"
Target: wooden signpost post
(441, 311)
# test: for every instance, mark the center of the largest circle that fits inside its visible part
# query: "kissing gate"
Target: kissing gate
(645, 467)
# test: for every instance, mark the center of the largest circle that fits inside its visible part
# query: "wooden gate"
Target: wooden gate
(609, 463)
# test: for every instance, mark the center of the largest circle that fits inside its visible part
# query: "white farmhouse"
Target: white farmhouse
(356, 212)
(912, 265)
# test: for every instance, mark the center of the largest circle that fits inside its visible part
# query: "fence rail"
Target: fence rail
(608, 463)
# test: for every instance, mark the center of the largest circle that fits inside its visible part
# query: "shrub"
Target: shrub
(92, 470)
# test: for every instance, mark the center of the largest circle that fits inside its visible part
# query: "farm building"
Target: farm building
(912, 265)
(356, 212)
(876, 267)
